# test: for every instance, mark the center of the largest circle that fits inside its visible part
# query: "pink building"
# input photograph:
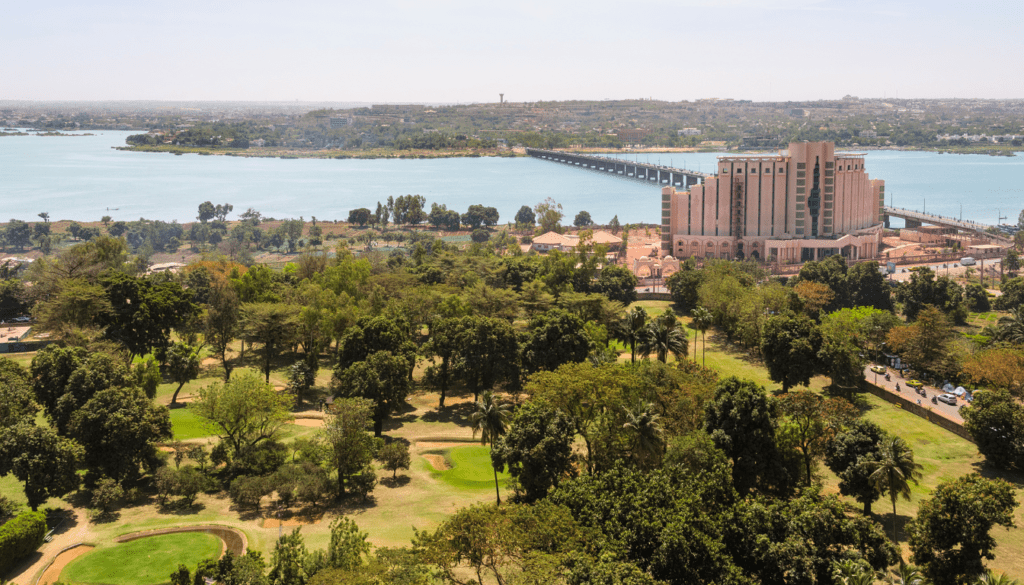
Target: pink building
(801, 204)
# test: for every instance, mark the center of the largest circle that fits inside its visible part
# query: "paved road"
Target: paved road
(947, 269)
(949, 411)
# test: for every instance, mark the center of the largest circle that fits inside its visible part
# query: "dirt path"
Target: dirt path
(75, 530)
(52, 573)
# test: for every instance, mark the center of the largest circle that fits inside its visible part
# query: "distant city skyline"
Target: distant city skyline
(461, 51)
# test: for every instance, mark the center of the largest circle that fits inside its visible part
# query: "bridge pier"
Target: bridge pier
(912, 223)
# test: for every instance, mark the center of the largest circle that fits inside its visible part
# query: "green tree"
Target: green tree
(271, 325)
(789, 346)
(813, 422)
(1011, 327)
(349, 447)
(646, 436)
(632, 331)
(951, 535)
(444, 343)
(383, 378)
(743, 420)
(525, 217)
(17, 233)
(64, 379)
(548, 214)
(702, 321)
(41, 459)
(17, 402)
(995, 420)
(554, 338)
(488, 354)
(221, 325)
(614, 225)
(926, 342)
(394, 456)
(246, 410)
(537, 449)
(831, 272)
(849, 454)
(145, 311)
(359, 216)
(182, 365)
(842, 353)
(119, 429)
(77, 305)
(372, 334)
(348, 545)
(490, 418)
(206, 211)
(583, 220)
(893, 471)
(924, 289)
(664, 336)
(618, 283)
(288, 564)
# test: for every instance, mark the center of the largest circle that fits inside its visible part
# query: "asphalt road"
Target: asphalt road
(951, 412)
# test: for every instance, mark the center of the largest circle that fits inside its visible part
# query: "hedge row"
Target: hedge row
(21, 537)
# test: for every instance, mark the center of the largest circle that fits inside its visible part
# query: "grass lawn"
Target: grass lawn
(470, 467)
(187, 425)
(142, 562)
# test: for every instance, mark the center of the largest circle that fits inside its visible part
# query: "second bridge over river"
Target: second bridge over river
(658, 174)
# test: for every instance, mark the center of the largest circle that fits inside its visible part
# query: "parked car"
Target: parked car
(915, 384)
(878, 369)
(948, 399)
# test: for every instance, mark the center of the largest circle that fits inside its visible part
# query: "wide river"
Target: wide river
(83, 178)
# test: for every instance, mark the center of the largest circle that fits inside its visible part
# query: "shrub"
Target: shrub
(166, 483)
(7, 508)
(191, 481)
(248, 491)
(106, 493)
(21, 537)
(363, 483)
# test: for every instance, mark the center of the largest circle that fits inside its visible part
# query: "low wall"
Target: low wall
(653, 296)
(920, 410)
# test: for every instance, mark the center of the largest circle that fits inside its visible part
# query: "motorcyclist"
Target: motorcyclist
(897, 386)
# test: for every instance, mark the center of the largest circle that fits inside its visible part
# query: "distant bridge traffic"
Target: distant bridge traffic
(916, 219)
(649, 173)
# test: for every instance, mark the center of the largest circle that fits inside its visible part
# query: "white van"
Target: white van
(967, 261)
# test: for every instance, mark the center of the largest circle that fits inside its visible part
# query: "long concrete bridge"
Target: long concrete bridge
(661, 175)
(916, 219)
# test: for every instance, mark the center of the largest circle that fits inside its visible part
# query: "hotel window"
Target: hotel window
(781, 170)
(801, 165)
(725, 169)
(847, 167)
(801, 174)
(768, 170)
(753, 171)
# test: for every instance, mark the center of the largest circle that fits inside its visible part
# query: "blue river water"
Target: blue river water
(83, 178)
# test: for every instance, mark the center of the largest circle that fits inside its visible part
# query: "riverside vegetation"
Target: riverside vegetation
(616, 445)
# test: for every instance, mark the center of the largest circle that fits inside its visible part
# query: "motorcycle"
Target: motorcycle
(887, 377)
(934, 401)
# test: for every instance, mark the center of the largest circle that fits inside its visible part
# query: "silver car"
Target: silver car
(948, 399)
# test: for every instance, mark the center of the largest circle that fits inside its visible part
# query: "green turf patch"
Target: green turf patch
(186, 425)
(147, 561)
(470, 467)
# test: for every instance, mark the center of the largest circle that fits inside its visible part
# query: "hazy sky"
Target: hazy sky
(469, 51)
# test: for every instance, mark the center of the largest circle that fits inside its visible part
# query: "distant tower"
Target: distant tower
(502, 96)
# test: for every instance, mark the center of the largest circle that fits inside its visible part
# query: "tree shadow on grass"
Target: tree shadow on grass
(396, 482)
(989, 471)
(181, 508)
(456, 413)
(884, 520)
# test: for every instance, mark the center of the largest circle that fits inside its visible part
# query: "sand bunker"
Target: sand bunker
(438, 462)
(309, 422)
(52, 572)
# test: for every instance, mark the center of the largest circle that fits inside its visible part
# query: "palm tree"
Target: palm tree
(989, 578)
(632, 330)
(664, 336)
(1011, 327)
(490, 417)
(893, 471)
(646, 441)
(702, 319)
(908, 575)
(850, 572)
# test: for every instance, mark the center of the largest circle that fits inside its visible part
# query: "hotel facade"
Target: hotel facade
(804, 203)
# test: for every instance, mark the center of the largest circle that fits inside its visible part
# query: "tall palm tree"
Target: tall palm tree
(664, 336)
(646, 437)
(893, 471)
(1011, 327)
(702, 320)
(490, 417)
(989, 578)
(632, 330)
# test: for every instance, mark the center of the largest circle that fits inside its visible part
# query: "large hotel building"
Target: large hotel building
(801, 204)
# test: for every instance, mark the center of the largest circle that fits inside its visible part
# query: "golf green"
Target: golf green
(470, 467)
(146, 561)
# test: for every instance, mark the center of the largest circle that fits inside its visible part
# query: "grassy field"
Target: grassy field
(470, 467)
(147, 561)
(186, 425)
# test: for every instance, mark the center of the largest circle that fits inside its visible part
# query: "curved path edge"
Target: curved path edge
(234, 539)
(56, 557)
